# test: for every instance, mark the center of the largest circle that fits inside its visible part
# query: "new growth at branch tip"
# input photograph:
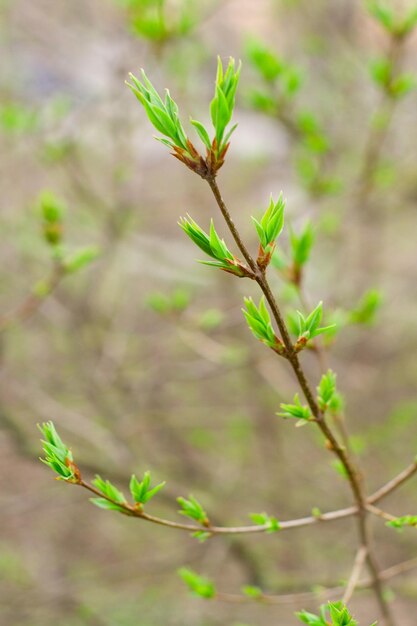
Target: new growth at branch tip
(336, 612)
(60, 459)
(57, 456)
(163, 115)
(269, 228)
(214, 247)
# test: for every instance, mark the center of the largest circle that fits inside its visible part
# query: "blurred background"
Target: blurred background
(142, 358)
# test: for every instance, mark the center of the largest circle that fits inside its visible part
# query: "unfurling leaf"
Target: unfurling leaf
(57, 455)
(80, 258)
(193, 509)
(297, 410)
(142, 492)
(401, 522)
(214, 247)
(259, 322)
(222, 105)
(263, 519)
(198, 585)
(309, 327)
(326, 391)
(268, 229)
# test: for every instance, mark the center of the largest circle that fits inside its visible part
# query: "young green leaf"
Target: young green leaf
(381, 71)
(142, 491)
(52, 211)
(401, 85)
(410, 21)
(401, 522)
(163, 115)
(108, 489)
(202, 535)
(80, 258)
(270, 225)
(301, 245)
(267, 63)
(263, 519)
(383, 13)
(213, 246)
(253, 592)
(102, 503)
(198, 585)
(326, 390)
(259, 322)
(193, 509)
(338, 614)
(366, 310)
(202, 133)
(309, 327)
(57, 455)
(222, 105)
(297, 410)
(50, 207)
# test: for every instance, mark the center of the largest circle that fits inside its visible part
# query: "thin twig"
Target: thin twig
(394, 483)
(380, 513)
(225, 530)
(356, 572)
(326, 593)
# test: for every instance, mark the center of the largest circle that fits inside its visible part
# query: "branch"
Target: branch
(394, 483)
(326, 593)
(352, 472)
(223, 530)
(356, 572)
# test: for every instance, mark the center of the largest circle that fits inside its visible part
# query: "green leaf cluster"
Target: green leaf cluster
(154, 21)
(222, 105)
(212, 245)
(166, 303)
(385, 13)
(296, 410)
(81, 258)
(251, 591)
(142, 491)
(402, 85)
(273, 69)
(309, 327)
(367, 308)
(51, 208)
(326, 391)
(263, 519)
(192, 508)
(116, 501)
(396, 85)
(336, 611)
(57, 456)
(401, 522)
(163, 115)
(259, 321)
(311, 132)
(271, 224)
(52, 212)
(198, 585)
(301, 245)
(17, 118)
